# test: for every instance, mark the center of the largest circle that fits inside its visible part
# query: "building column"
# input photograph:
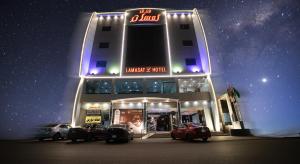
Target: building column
(145, 117)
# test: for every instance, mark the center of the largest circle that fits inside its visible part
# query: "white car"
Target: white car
(54, 131)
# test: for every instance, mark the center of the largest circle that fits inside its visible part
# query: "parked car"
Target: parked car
(87, 133)
(54, 131)
(119, 132)
(190, 131)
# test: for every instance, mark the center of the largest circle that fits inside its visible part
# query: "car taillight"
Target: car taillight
(203, 130)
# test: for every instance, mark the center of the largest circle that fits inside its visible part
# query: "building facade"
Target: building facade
(148, 68)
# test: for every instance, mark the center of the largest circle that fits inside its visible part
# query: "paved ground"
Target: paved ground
(221, 150)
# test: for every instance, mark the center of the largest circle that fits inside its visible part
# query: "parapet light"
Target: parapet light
(196, 69)
(94, 71)
(113, 70)
(177, 69)
(115, 17)
(108, 17)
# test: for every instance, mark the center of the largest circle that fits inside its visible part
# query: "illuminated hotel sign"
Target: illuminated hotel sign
(145, 69)
(142, 16)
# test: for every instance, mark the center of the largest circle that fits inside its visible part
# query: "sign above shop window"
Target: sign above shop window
(145, 16)
(92, 119)
(145, 69)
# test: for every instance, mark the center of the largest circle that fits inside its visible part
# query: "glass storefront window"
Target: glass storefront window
(169, 86)
(95, 113)
(193, 112)
(154, 86)
(129, 86)
(98, 86)
(193, 85)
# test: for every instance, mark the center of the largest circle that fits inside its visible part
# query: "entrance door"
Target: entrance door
(158, 122)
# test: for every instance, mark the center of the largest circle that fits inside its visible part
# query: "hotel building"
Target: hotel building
(148, 68)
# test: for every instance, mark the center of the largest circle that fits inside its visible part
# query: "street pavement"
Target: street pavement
(219, 149)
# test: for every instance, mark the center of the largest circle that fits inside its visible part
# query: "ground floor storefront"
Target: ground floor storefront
(147, 114)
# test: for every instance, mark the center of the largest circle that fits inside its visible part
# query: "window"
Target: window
(98, 86)
(192, 85)
(187, 43)
(63, 126)
(101, 63)
(190, 61)
(106, 28)
(169, 86)
(104, 45)
(130, 86)
(184, 26)
(154, 86)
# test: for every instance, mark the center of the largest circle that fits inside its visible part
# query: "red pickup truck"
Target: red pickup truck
(190, 131)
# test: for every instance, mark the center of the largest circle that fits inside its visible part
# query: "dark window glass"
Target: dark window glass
(98, 86)
(101, 63)
(154, 86)
(187, 43)
(104, 45)
(190, 61)
(184, 26)
(169, 87)
(130, 86)
(106, 28)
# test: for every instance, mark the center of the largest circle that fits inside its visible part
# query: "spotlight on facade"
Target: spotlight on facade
(182, 15)
(195, 103)
(186, 103)
(130, 104)
(105, 105)
(168, 15)
(115, 17)
(151, 104)
(160, 104)
(108, 17)
(139, 104)
(122, 17)
(175, 15)
(101, 17)
(204, 102)
(189, 15)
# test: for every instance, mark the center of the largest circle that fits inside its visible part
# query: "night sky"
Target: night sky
(254, 46)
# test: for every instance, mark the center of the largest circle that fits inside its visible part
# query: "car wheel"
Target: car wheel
(74, 140)
(204, 139)
(56, 137)
(189, 137)
(173, 136)
(41, 139)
